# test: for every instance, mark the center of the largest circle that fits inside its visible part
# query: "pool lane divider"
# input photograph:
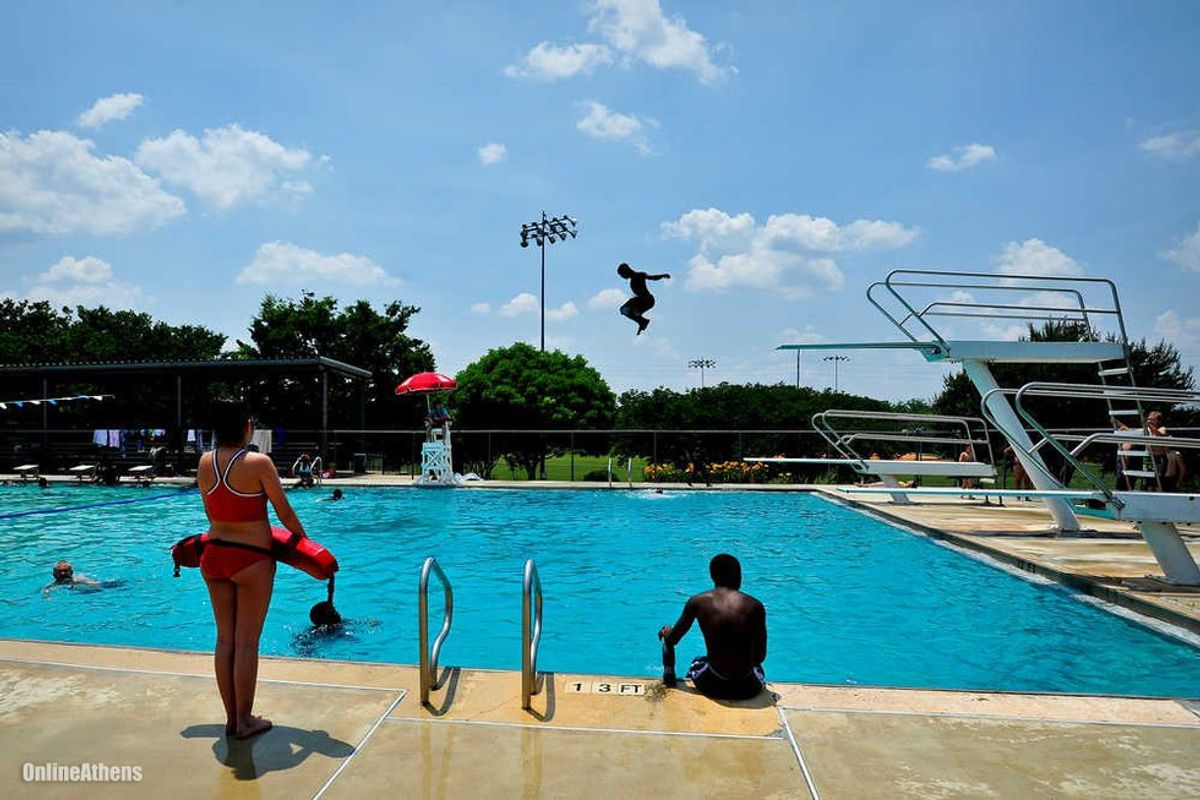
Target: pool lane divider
(83, 506)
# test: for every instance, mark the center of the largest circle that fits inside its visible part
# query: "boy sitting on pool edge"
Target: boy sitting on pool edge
(734, 625)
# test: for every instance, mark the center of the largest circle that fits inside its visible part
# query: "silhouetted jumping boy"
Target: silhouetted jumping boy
(642, 301)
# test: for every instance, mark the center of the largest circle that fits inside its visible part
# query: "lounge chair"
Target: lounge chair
(27, 471)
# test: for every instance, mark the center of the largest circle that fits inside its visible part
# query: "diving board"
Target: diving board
(885, 466)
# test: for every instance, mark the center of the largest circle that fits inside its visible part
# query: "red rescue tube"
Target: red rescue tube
(302, 553)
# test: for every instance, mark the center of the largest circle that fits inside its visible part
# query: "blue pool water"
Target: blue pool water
(850, 599)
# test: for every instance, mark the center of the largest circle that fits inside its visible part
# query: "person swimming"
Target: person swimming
(642, 301)
(65, 577)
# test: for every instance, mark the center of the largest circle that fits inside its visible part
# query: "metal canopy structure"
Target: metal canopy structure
(216, 369)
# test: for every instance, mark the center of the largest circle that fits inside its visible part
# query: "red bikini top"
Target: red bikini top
(223, 503)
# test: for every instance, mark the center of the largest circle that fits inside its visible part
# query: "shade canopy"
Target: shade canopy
(426, 383)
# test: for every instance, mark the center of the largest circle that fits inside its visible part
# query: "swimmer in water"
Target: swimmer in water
(64, 575)
(642, 301)
(337, 495)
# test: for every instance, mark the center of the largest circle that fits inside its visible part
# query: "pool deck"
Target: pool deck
(356, 730)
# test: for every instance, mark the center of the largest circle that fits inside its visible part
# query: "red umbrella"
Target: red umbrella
(426, 383)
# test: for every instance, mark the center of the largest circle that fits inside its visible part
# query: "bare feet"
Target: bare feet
(642, 325)
(252, 727)
(230, 728)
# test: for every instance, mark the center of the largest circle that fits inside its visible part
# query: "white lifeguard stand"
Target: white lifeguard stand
(436, 458)
(912, 299)
(437, 462)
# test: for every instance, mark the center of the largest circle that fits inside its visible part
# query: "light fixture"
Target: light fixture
(556, 229)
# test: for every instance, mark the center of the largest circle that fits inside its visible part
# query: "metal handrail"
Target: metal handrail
(843, 442)
(531, 633)
(429, 659)
(1085, 391)
(1009, 283)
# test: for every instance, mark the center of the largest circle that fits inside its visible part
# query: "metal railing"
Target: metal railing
(1025, 306)
(974, 433)
(429, 659)
(531, 633)
(1108, 394)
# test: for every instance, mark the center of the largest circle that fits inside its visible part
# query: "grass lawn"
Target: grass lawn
(558, 468)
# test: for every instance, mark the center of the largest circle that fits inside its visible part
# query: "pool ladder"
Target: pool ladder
(531, 634)
(429, 658)
(531, 631)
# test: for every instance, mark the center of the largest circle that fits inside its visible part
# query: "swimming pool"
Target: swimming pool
(850, 599)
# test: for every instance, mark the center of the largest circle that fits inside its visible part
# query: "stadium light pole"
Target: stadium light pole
(702, 364)
(548, 229)
(836, 360)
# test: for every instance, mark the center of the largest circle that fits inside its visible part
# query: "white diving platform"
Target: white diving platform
(915, 300)
(889, 466)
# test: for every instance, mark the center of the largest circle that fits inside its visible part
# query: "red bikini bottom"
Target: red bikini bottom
(222, 562)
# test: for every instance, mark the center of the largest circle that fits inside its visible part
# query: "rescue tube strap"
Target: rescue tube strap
(223, 543)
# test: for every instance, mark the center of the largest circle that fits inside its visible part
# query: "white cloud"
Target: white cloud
(492, 153)
(51, 182)
(663, 348)
(566, 311)
(637, 30)
(228, 166)
(86, 281)
(809, 335)
(1183, 333)
(601, 122)
(88, 269)
(1178, 146)
(1187, 252)
(641, 31)
(1006, 333)
(108, 109)
(736, 251)
(481, 308)
(971, 155)
(283, 263)
(606, 299)
(524, 303)
(1035, 257)
(548, 62)
(823, 234)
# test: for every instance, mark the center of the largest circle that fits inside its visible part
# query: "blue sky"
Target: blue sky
(774, 157)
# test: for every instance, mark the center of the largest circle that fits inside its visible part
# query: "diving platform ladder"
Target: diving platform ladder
(1156, 514)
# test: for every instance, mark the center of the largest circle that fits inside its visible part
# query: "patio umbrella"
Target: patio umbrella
(426, 383)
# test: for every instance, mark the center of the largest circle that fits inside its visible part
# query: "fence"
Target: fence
(714, 455)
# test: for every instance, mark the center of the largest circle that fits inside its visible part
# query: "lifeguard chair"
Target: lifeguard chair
(437, 464)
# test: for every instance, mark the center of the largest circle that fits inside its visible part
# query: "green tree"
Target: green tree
(36, 332)
(360, 335)
(723, 413)
(520, 387)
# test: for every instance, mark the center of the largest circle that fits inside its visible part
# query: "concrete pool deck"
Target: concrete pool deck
(356, 730)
